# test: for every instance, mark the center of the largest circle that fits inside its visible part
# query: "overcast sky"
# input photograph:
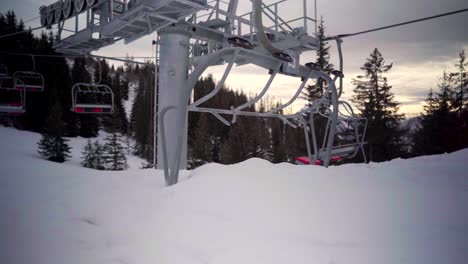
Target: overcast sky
(420, 52)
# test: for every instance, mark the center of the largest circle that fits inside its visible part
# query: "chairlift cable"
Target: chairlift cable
(31, 19)
(396, 25)
(20, 32)
(75, 56)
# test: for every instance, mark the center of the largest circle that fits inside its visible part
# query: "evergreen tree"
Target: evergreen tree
(461, 82)
(232, 150)
(52, 145)
(89, 124)
(142, 116)
(88, 157)
(375, 100)
(201, 152)
(460, 100)
(438, 128)
(260, 130)
(93, 155)
(315, 91)
(278, 145)
(98, 156)
(113, 154)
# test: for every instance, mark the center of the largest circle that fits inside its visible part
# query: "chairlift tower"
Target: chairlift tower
(192, 36)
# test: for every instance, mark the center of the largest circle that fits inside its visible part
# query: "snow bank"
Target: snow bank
(403, 211)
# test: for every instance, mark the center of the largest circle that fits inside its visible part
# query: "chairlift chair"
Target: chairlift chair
(30, 81)
(90, 98)
(12, 100)
(350, 133)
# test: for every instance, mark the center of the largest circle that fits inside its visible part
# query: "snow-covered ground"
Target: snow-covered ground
(403, 211)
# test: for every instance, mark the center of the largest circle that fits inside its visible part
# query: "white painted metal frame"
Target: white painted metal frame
(81, 89)
(172, 167)
(9, 84)
(32, 81)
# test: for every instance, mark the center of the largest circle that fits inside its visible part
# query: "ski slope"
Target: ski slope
(402, 211)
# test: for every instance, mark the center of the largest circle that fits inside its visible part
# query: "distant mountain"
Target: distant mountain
(411, 123)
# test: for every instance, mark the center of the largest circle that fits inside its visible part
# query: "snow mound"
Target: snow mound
(402, 211)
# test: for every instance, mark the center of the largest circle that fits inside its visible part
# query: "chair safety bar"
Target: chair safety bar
(294, 98)
(92, 108)
(220, 84)
(32, 81)
(259, 96)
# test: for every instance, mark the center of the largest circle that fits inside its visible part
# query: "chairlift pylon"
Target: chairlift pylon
(88, 98)
(12, 100)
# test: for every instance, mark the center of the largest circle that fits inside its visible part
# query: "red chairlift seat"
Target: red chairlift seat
(92, 99)
(12, 100)
(304, 160)
(30, 81)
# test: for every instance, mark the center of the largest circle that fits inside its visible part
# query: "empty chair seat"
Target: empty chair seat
(90, 98)
(30, 81)
(12, 100)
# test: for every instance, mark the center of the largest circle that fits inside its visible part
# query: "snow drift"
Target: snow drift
(403, 211)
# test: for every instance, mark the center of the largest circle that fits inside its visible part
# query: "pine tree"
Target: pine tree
(201, 152)
(260, 130)
(437, 132)
(89, 124)
(98, 156)
(141, 120)
(52, 145)
(460, 100)
(278, 145)
(461, 82)
(375, 100)
(88, 157)
(113, 154)
(315, 91)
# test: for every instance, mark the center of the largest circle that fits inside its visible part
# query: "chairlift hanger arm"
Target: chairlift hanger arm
(220, 84)
(294, 98)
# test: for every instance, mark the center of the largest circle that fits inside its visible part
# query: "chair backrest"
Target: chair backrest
(90, 98)
(12, 99)
(31, 81)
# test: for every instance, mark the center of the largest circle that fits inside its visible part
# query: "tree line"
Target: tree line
(441, 128)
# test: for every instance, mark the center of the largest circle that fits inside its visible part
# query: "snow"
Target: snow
(128, 104)
(402, 211)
